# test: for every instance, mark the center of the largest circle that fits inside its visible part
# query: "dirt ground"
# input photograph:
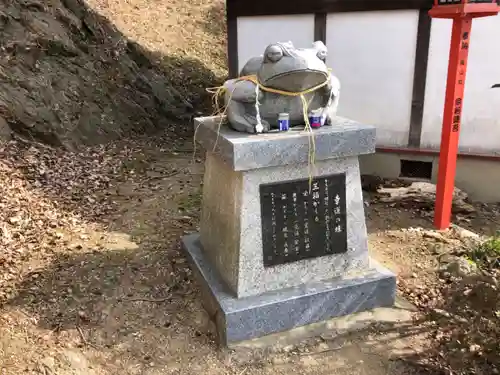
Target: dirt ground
(105, 288)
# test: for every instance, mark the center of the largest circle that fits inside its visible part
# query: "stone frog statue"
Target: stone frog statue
(283, 67)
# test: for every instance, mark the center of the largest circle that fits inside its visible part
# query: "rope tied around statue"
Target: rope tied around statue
(220, 111)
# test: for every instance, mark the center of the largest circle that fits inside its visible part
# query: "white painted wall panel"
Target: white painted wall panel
(256, 33)
(373, 54)
(480, 130)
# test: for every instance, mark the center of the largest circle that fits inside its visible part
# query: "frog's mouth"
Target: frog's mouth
(296, 80)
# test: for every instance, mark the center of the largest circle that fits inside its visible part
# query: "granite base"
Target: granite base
(231, 227)
(239, 319)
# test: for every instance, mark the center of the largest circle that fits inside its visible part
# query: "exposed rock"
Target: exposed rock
(434, 235)
(479, 278)
(457, 266)
(423, 195)
(466, 234)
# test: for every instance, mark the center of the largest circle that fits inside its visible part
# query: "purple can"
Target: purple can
(284, 122)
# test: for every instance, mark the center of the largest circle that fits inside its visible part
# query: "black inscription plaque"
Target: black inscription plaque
(302, 222)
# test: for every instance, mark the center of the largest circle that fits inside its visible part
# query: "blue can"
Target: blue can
(284, 122)
(315, 119)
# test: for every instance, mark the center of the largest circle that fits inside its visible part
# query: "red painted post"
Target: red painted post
(461, 12)
(457, 68)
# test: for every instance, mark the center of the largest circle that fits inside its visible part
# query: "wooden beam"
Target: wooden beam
(320, 27)
(419, 78)
(232, 40)
(287, 7)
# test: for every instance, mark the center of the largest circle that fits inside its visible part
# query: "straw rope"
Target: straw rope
(221, 112)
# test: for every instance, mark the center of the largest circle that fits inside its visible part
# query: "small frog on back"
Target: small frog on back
(283, 68)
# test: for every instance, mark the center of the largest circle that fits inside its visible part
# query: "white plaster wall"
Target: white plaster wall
(373, 54)
(256, 33)
(480, 130)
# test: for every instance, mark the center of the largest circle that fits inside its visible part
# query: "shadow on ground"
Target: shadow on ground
(115, 295)
(141, 306)
(125, 309)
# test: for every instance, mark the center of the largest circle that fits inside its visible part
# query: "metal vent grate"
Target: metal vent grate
(416, 169)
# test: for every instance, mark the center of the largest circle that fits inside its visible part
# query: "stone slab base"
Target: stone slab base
(401, 314)
(277, 311)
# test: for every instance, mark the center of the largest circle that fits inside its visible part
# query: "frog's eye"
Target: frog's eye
(274, 53)
(322, 54)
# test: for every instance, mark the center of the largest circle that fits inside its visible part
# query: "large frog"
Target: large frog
(286, 68)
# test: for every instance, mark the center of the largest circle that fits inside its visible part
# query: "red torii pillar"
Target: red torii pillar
(462, 12)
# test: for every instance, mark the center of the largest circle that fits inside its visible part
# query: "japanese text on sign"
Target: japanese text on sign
(298, 223)
(457, 111)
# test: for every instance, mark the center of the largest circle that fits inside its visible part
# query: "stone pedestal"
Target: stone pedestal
(275, 252)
